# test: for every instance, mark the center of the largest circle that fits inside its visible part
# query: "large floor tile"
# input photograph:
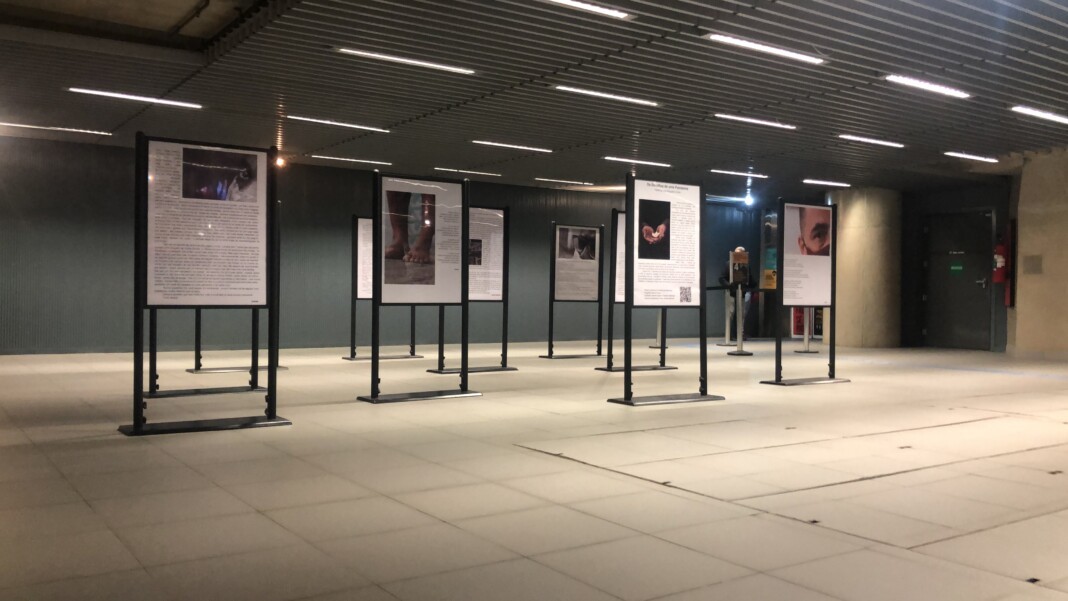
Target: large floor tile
(469, 501)
(173, 542)
(47, 558)
(349, 518)
(517, 580)
(545, 529)
(656, 511)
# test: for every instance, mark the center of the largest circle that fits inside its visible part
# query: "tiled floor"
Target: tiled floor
(933, 475)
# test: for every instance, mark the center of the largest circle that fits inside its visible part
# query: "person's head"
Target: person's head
(815, 236)
(740, 249)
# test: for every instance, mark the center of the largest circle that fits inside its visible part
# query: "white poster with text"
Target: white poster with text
(422, 241)
(578, 272)
(485, 255)
(365, 258)
(667, 245)
(806, 277)
(619, 240)
(207, 226)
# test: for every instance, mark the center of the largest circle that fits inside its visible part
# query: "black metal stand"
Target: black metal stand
(739, 324)
(140, 425)
(376, 308)
(610, 365)
(831, 378)
(550, 354)
(198, 356)
(628, 397)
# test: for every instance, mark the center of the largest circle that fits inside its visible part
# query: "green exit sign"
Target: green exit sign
(956, 268)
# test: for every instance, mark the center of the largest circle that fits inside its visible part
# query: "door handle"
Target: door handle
(982, 283)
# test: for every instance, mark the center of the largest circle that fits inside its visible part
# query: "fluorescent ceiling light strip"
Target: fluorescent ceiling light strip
(1026, 110)
(823, 182)
(406, 61)
(871, 141)
(466, 171)
(49, 128)
(608, 96)
(926, 85)
(738, 173)
(970, 157)
(593, 8)
(562, 181)
(320, 156)
(636, 161)
(337, 123)
(755, 121)
(516, 146)
(797, 56)
(188, 105)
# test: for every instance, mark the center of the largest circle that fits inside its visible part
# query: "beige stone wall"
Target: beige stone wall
(869, 267)
(1038, 327)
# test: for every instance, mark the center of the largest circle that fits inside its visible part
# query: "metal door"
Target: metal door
(959, 301)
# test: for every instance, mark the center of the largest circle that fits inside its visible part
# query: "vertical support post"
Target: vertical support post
(254, 371)
(441, 337)
(153, 374)
(198, 357)
(739, 318)
(612, 267)
(834, 289)
(779, 289)
(628, 306)
(140, 277)
(808, 313)
(600, 289)
(411, 334)
(376, 286)
(552, 284)
(274, 286)
(727, 316)
(354, 287)
(663, 336)
(504, 292)
(702, 318)
(465, 234)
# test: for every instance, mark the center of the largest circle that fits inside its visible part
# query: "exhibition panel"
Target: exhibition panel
(206, 234)
(576, 274)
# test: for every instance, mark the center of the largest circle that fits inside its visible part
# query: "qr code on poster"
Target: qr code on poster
(684, 294)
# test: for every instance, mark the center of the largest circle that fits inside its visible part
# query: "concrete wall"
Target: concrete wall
(1038, 326)
(869, 267)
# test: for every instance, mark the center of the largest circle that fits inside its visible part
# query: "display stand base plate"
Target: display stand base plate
(586, 356)
(726, 344)
(740, 353)
(205, 425)
(617, 368)
(383, 357)
(667, 399)
(164, 394)
(805, 381)
(472, 370)
(229, 370)
(809, 352)
(656, 346)
(420, 396)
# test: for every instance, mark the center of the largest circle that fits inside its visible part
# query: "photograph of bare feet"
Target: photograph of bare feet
(409, 236)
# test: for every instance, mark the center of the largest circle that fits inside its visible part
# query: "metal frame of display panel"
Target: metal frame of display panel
(779, 308)
(441, 369)
(140, 425)
(198, 355)
(552, 293)
(376, 302)
(628, 397)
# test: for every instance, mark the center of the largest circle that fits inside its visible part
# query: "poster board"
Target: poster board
(797, 323)
(667, 239)
(206, 235)
(807, 261)
(365, 258)
(769, 251)
(485, 254)
(422, 241)
(576, 250)
(621, 257)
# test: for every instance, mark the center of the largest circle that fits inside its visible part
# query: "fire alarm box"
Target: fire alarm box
(739, 262)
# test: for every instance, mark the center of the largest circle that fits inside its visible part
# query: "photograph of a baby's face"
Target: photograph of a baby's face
(813, 232)
(218, 175)
(408, 234)
(576, 243)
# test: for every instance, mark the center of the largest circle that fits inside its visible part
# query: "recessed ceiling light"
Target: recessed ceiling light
(337, 123)
(608, 96)
(406, 61)
(467, 171)
(49, 128)
(738, 173)
(636, 161)
(187, 105)
(1041, 114)
(319, 156)
(823, 182)
(755, 121)
(871, 141)
(797, 56)
(926, 85)
(970, 157)
(562, 181)
(515, 146)
(593, 8)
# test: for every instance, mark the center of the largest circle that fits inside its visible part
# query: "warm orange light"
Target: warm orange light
(280, 162)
